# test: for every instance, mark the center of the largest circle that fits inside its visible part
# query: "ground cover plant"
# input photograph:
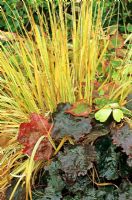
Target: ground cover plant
(65, 105)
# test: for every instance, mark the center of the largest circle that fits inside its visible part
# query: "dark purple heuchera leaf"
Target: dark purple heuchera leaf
(30, 132)
(76, 161)
(123, 138)
(68, 125)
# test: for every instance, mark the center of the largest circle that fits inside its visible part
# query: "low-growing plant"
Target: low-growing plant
(103, 114)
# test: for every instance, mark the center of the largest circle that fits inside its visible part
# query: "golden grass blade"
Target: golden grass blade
(30, 167)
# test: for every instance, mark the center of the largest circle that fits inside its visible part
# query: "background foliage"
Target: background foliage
(113, 12)
(17, 10)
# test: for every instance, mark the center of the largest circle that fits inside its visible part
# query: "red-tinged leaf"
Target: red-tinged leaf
(116, 41)
(79, 109)
(24, 133)
(38, 124)
(96, 84)
(30, 132)
(43, 152)
(41, 123)
(83, 83)
(121, 53)
(105, 64)
(103, 89)
(109, 86)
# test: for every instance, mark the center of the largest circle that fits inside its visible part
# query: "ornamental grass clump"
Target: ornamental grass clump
(41, 68)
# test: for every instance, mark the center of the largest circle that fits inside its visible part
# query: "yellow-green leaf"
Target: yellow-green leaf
(79, 109)
(103, 114)
(117, 115)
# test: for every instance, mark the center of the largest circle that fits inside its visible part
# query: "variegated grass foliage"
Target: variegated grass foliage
(46, 66)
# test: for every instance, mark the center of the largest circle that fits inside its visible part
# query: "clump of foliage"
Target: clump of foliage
(67, 180)
(16, 10)
(117, 13)
(113, 13)
(103, 114)
(91, 168)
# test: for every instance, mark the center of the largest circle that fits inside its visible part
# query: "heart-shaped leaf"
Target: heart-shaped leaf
(68, 125)
(129, 27)
(103, 114)
(30, 132)
(117, 115)
(79, 109)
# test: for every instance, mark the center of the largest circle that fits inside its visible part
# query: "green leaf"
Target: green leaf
(116, 63)
(116, 41)
(117, 115)
(114, 105)
(79, 109)
(101, 102)
(101, 92)
(129, 27)
(115, 76)
(125, 191)
(51, 194)
(103, 114)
